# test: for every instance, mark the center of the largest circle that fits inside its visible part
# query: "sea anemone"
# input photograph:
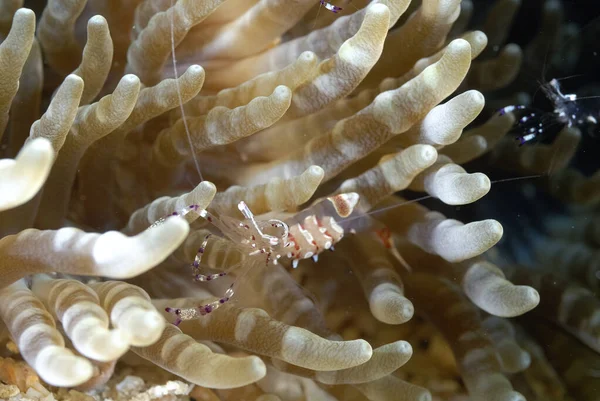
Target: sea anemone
(315, 126)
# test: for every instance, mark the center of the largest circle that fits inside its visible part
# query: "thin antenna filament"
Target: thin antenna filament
(176, 76)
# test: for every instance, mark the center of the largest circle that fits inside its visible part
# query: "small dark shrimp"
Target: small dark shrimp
(567, 112)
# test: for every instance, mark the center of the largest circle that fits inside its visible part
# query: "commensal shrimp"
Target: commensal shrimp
(567, 111)
(273, 239)
(330, 7)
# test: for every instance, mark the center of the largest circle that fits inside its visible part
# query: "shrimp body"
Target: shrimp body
(567, 112)
(270, 239)
(312, 237)
(330, 7)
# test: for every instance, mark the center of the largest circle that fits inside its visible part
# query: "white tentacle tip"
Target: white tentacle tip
(73, 79)
(24, 13)
(106, 345)
(458, 45)
(316, 171)
(195, 69)
(130, 80)
(97, 20)
(389, 306)
(144, 328)
(167, 236)
(364, 349)
(378, 8)
(486, 286)
(40, 145)
(258, 367)
(427, 154)
(119, 256)
(22, 178)
(57, 366)
(308, 57)
(282, 93)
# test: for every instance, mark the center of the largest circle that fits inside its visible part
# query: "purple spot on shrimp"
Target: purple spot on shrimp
(208, 308)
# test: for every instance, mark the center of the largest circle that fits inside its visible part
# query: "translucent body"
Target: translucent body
(265, 241)
(568, 111)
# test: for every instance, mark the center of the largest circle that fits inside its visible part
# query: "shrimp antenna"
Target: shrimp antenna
(352, 4)
(588, 97)
(317, 17)
(176, 76)
(569, 77)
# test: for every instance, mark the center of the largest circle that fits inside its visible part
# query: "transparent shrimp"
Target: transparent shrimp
(265, 241)
(330, 7)
(568, 111)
